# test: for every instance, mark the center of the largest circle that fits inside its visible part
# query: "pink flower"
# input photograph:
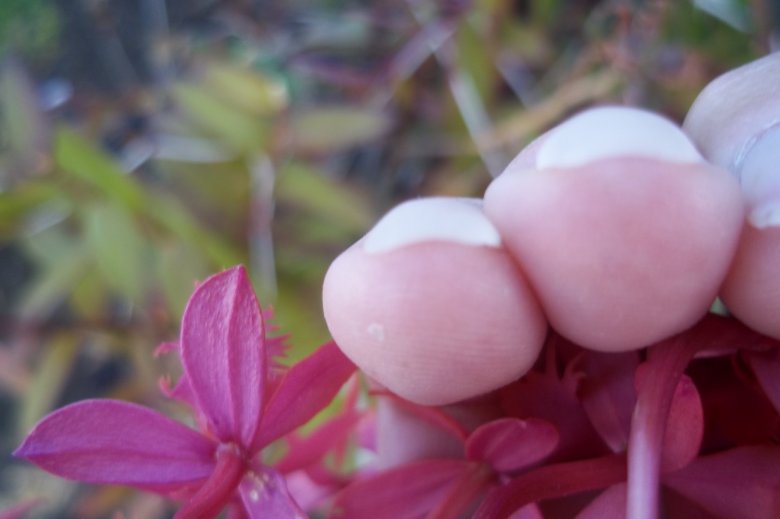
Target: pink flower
(687, 426)
(441, 488)
(241, 404)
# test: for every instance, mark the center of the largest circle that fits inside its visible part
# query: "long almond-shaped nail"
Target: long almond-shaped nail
(615, 131)
(455, 220)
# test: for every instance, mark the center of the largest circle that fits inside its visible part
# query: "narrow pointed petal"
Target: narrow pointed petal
(304, 391)
(742, 483)
(684, 428)
(552, 399)
(405, 492)
(608, 395)
(330, 437)
(108, 441)
(511, 444)
(461, 498)
(766, 367)
(611, 503)
(550, 482)
(223, 354)
(264, 494)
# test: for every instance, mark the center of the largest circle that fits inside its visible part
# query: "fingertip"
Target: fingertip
(735, 121)
(622, 248)
(434, 320)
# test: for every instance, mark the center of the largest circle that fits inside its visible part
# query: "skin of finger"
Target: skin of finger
(418, 439)
(421, 439)
(726, 119)
(737, 105)
(434, 322)
(752, 288)
(622, 252)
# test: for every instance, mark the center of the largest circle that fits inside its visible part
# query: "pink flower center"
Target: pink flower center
(220, 488)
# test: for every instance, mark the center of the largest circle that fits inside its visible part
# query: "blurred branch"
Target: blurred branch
(529, 122)
(467, 99)
(261, 213)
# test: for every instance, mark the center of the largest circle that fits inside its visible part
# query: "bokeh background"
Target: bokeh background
(145, 144)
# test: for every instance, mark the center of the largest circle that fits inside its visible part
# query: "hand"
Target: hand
(612, 228)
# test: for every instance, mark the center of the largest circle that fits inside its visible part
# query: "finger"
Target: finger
(736, 123)
(624, 232)
(432, 306)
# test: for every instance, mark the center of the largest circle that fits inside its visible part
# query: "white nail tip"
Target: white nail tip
(764, 216)
(759, 166)
(614, 131)
(454, 220)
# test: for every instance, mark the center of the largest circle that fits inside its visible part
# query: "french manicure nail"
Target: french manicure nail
(614, 131)
(454, 220)
(759, 176)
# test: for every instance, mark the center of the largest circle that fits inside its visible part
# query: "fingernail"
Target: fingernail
(759, 177)
(733, 108)
(615, 131)
(766, 215)
(454, 220)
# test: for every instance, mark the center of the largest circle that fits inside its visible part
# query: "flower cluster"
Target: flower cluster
(241, 402)
(578, 424)
(563, 440)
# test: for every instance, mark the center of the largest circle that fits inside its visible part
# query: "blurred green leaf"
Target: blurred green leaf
(295, 314)
(174, 217)
(179, 267)
(334, 128)
(61, 264)
(242, 131)
(246, 89)
(79, 157)
(49, 376)
(31, 26)
(218, 193)
(698, 31)
(25, 131)
(328, 200)
(474, 55)
(18, 207)
(118, 247)
(90, 299)
(544, 12)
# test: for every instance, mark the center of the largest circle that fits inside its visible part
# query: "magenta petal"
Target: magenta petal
(305, 390)
(608, 396)
(657, 383)
(222, 350)
(528, 512)
(742, 483)
(611, 503)
(264, 494)
(108, 441)
(550, 482)
(766, 367)
(684, 428)
(510, 444)
(404, 492)
(329, 437)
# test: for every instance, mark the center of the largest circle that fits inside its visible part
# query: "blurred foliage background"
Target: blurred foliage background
(145, 144)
